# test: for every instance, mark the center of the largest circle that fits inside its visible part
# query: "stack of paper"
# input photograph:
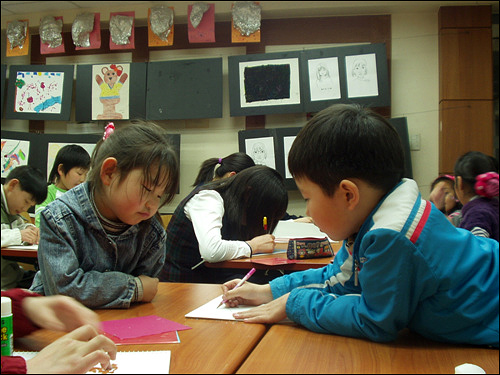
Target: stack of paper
(287, 229)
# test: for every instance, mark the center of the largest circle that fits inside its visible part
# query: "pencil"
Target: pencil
(264, 223)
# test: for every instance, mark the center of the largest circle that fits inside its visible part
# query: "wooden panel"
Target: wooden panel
(464, 16)
(465, 64)
(464, 126)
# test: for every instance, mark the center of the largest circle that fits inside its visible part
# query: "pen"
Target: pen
(247, 276)
(264, 223)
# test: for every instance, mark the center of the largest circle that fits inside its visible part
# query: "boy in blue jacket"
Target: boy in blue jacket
(402, 263)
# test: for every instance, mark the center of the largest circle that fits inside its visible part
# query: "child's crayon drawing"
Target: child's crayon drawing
(39, 92)
(14, 154)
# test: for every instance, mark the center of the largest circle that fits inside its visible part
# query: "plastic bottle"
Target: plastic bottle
(7, 334)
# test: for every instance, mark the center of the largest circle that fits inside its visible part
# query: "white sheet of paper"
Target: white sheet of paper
(154, 362)
(23, 247)
(210, 311)
(287, 229)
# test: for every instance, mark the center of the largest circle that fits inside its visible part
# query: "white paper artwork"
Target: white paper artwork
(261, 150)
(324, 82)
(361, 71)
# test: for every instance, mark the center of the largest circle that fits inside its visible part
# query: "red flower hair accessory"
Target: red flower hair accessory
(487, 184)
(108, 130)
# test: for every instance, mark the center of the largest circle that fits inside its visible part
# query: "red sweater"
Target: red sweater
(22, 326)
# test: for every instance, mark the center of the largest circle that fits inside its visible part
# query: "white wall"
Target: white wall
(414, 89)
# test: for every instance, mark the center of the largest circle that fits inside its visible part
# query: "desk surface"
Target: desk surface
(20, 251)
(211, 346)
(300, 265)
(289, 349)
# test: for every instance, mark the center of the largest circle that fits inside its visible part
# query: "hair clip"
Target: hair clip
(487, 184)
(108, 130)
(220, 160)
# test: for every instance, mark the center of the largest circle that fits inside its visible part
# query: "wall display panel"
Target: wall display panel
(118, 94)
(270, 147)
(184, 89)
(265, 84)
(352, 74)
(3, 73)
(401, 125)
(40, 92)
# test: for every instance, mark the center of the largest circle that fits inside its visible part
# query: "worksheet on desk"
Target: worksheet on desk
(23, 247)
(153, 362)
(210, 310)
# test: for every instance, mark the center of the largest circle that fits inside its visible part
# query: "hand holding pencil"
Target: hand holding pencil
(247, 294)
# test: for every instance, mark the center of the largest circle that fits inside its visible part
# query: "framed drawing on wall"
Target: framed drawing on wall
(40, 92)
(265, 84)
(351, 74)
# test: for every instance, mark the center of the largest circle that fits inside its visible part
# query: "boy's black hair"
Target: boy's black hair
(31, 180)
(347, 141)
(248, 196)
(70, 156)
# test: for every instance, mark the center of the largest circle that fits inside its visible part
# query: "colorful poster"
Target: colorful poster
(39, 92)
(14, 154)
(110, 92)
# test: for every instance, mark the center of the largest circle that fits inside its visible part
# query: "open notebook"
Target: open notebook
(154, 362)
(287, 229)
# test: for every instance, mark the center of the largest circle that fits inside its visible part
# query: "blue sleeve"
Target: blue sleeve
(384, 306)
(61, 272)
(153, 252)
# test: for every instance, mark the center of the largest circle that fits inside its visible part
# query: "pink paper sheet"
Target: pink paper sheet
(159, 338)
(141, 326)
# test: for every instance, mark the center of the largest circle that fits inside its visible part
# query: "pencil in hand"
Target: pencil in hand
(242, 281)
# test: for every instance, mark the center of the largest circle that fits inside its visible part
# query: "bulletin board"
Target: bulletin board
(265, 84)
(401, 125)
(136, 81)
(352, 74)
(40, 92)
(184, 89)
(270, 147)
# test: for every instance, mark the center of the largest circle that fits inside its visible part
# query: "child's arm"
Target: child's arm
(11, 233)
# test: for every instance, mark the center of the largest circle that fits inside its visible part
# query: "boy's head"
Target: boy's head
(70, 167)
(24, 187)
(440, 188)
(344, 160)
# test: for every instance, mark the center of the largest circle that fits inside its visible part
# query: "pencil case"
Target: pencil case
(305, 248)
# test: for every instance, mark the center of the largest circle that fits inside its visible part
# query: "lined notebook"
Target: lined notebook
(157, 362)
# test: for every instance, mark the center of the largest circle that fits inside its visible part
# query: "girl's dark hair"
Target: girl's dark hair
(249, 196)
(347, 141)
(139, 145)
(472, 164)
(31, 180)
(70, 156)
(233, 163)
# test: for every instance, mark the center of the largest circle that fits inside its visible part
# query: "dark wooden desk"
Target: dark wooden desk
(211, 346)
(290, 349)
(19, 252)
(300, 265)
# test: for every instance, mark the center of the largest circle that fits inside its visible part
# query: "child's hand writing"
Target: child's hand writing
(59, 313)
(30, 234)
(262, 244)
(149, 286)
(247, 294)
(77, 352)
(272, 312)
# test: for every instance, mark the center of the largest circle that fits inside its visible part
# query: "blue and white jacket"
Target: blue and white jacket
(408, 267)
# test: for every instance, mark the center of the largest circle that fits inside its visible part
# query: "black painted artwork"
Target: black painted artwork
(267, 82)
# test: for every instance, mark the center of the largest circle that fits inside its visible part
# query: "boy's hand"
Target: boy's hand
(272, 312)
(30, 234)
(262, 244)
(247, 294)
(149, 286)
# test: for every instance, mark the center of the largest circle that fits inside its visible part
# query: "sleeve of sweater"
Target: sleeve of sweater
(21, 324)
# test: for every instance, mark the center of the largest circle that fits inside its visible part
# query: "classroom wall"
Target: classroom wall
(414, 91)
